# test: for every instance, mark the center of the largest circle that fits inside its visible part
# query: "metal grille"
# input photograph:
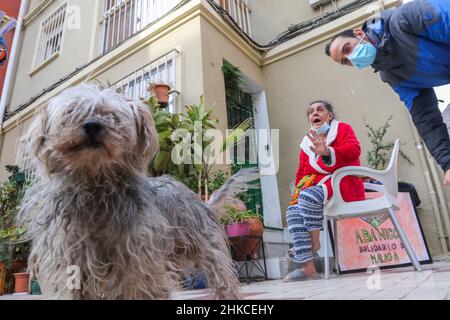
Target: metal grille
(25, 158)
(50, 39)
(162, 70)
(239, 11)
(123, 18)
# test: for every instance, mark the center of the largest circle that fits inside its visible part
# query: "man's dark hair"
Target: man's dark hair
(326, 104)
(344, 34)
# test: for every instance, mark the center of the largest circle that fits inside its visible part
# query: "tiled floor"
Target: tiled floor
(392, 284)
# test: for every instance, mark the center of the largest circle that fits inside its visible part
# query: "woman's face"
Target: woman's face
(318, 114)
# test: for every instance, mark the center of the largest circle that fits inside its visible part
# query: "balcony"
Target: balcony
(124, 18)
(239, 11)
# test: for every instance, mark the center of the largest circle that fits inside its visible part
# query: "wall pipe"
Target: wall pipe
(441, 195)
(420, 149)
(12, 61)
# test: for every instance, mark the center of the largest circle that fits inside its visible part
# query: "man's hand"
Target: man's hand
(447, 178)
(319, 141)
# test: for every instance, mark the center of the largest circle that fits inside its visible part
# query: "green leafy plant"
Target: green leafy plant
(13, 246)
(196, 169)
(234, 215)
(377, 158)
(217, 180)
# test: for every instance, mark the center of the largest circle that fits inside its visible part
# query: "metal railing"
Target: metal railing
(239, 11)
(159, 71)
(51, 35)
(124, 18)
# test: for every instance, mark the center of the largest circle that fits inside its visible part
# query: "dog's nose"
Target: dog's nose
(92, 128)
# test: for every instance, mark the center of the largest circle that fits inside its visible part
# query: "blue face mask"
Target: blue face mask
(363, 55)
(323, 129)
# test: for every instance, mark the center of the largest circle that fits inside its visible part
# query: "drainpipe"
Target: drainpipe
(441, 195)
(429, 182)
(13, 55)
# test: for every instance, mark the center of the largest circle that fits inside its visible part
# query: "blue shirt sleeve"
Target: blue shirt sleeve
(407, 95)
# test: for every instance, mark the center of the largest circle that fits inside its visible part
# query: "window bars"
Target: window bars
(159, 71)
(51, 35)
(239, 11)
(124, 18)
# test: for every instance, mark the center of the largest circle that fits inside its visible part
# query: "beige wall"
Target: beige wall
(75, 51)
(270, 17)
(215, 48)
(186, 39)
(308, 75)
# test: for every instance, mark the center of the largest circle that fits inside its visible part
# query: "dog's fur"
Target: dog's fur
(92, 206)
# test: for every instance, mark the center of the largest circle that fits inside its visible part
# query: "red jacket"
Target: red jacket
(344, 151)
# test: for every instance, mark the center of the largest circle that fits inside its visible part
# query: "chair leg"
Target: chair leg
(326, 259)
(336, 255)
(405, 241)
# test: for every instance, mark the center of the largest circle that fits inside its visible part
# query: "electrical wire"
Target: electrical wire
(292, 32)
(77, 70)
(295, 30)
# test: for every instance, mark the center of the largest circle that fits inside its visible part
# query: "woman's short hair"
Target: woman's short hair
(326, 104)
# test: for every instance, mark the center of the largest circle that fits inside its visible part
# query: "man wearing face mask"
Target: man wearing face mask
(410, 47)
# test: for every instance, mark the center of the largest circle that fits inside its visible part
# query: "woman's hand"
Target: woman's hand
(319, 141)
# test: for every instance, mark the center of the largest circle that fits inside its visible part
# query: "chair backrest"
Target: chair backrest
(391, 176)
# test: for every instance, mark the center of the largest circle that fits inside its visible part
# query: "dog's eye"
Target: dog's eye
(69, 111)
(112, 118)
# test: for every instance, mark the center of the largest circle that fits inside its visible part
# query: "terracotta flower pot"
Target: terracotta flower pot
(19, 266)
(21, 282)
(161, 92)
(252, 245)
(2, 278)
(238, 229)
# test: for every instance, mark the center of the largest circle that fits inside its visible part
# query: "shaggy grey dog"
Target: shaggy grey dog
(101, 228)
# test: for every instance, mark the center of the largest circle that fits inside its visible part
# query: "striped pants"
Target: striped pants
(303, 218)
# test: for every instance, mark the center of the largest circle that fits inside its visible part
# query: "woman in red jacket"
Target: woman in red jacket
(328, 146)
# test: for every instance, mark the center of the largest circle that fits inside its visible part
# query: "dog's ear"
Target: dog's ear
(147, 137)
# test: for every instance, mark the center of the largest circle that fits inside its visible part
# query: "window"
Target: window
(123, 18)
(51, 36)
(24, 158)
(161, 70)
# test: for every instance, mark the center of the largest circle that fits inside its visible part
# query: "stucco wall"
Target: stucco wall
(215, 48)
(75, 52)
(269, 17)
(187, 41)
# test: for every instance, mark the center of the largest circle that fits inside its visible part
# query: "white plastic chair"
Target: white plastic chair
(336, 209)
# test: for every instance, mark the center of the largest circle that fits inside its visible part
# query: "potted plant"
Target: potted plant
(161, 92)
(14, 249)
(377, 158)
(193, 169)
(241, 223)
(3, 270)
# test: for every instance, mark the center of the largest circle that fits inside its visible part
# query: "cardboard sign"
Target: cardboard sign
(373, 240)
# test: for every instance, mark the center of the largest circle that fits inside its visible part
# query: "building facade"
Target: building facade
(11, 9)
(130, 43)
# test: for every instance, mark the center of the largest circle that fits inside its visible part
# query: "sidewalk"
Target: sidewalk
(394, 284)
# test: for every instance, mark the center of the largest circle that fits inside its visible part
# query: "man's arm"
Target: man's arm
(428, 120)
